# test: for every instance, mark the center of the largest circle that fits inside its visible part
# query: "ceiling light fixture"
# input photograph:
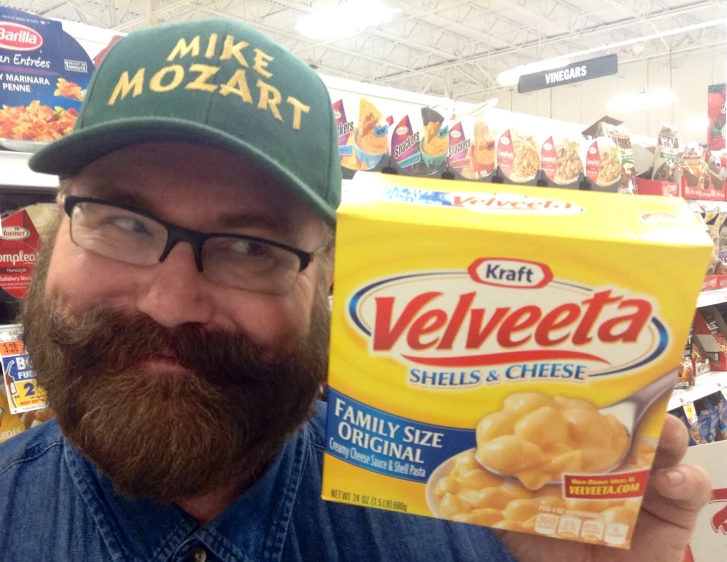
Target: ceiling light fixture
(334, 22)
(639, 102)
(512, 76)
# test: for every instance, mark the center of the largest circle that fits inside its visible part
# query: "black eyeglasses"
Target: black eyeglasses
(130, 235)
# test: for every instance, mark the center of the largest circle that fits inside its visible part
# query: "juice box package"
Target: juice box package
(503, 355)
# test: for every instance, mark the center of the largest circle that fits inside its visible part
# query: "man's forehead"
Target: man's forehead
(177, 175)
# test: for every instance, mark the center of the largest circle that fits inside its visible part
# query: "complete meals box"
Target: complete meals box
(503, 355)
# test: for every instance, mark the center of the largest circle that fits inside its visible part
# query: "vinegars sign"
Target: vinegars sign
(575, 72)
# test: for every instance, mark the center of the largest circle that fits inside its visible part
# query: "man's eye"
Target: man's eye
(250, 249)
(128, 224)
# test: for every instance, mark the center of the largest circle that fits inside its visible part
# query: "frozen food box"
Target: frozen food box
(526, 330)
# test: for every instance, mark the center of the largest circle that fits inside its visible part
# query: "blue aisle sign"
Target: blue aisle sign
(44, 74)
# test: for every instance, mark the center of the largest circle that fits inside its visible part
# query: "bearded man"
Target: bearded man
(178, 321)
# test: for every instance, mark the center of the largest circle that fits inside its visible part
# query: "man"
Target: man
(178, 321)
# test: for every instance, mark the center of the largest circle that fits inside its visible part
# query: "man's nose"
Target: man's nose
(176, 292)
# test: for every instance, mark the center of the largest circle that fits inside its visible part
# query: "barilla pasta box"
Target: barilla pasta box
(503, 355)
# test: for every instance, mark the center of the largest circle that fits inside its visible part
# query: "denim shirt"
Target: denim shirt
(56, 506)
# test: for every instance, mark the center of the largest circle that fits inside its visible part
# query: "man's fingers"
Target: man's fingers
(673, 443)
(676, 494)
(687, 484)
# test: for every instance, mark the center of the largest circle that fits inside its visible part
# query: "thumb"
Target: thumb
(676, 494)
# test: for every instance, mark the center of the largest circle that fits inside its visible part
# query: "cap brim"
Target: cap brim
(68, 155)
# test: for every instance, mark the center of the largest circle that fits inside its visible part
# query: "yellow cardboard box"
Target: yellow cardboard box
(479, 325)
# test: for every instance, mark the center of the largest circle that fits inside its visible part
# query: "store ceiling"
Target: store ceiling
(448, 48)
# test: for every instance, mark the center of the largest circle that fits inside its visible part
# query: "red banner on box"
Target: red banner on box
(709, 194)
(655, 187)
(608, 486)
(710, 283)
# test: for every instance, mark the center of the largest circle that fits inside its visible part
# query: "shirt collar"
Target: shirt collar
(252, 529)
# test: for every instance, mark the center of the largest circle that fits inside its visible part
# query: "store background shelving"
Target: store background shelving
(706, 384)
(16, 174)
(711, 298)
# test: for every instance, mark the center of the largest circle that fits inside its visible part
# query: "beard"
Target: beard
(170, 437)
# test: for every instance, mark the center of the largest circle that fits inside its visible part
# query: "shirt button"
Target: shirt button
(199, 555)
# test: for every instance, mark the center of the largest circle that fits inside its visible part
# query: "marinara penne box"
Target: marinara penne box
(503, 355)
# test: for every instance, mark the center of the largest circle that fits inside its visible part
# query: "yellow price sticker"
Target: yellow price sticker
(691, 412)
(21, 387)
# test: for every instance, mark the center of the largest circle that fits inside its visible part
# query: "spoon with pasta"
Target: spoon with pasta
(536, 438)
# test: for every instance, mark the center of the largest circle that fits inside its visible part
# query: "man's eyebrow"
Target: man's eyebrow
(254, 220)
(225, 221)
(115, 195)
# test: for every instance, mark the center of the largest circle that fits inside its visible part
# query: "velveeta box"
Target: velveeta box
(494, 347)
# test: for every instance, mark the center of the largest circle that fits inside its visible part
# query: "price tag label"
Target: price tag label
(691, 412)
(21, 387)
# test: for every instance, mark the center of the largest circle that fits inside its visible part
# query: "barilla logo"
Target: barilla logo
(14, 233)
(505, 319)
(16, 37)
(512, 203)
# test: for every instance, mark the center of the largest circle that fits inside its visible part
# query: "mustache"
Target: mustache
(114, 341)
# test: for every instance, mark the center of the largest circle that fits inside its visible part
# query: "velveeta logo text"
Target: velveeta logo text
(250, 82)
(505, 320)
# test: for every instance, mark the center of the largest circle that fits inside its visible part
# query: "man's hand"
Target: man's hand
(672, 501)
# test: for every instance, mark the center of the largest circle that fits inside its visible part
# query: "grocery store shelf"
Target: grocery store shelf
(710, 298)
(16, 174)
(706, 384)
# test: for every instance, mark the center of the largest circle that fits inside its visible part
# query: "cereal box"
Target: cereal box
(489, 345)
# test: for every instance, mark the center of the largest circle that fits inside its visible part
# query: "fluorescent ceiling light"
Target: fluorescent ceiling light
(338, 21)
(639, 102)
(697, 123)
(512, 76)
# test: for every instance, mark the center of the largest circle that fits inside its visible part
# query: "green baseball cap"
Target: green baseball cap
(217, 83)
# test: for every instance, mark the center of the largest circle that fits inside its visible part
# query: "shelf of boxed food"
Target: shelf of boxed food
(706, 384)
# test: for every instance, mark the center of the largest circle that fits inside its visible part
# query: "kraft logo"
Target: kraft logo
(503, 272)
(460, 319)
(14, 233)
(17, 37)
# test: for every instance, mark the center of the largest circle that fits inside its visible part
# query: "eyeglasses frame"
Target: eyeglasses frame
(176, 234)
